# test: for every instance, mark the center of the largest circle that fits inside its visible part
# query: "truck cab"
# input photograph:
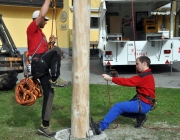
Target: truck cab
(132, 28)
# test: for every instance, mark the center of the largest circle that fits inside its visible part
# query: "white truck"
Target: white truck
(128, 30)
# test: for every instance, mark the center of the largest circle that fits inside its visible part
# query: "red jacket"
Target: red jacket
(35, 38)
(143, 82)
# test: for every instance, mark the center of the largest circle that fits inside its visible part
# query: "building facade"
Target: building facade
(17, 15)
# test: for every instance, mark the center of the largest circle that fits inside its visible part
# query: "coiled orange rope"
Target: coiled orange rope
(27, 91)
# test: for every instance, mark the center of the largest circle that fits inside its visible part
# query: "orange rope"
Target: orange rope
(51, 45)
(134, 32)
(108, 91)
(52, 23)
(53, 18)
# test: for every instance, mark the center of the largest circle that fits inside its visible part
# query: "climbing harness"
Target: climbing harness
(152, 101)
(29, 89)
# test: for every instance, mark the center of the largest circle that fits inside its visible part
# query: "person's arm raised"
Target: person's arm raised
(43, 12)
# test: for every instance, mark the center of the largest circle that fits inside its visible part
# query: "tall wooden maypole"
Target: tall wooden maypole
(80, 68)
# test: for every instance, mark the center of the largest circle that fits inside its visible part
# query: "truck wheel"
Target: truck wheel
(8, 80)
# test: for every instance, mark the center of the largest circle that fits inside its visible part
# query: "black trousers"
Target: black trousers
(52, 60)
(42, 63)
(43, 67)
(48, 96)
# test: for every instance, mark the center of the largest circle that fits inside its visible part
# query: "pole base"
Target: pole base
(66, 135)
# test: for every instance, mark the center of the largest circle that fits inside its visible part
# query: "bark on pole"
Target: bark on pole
(80, 68)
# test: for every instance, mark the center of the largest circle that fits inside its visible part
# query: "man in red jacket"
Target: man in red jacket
(45, 63)
(141, 103)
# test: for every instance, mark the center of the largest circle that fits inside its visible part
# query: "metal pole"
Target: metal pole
(171, 31)
(80, 68)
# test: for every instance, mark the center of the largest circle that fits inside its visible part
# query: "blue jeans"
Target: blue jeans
(128, 109)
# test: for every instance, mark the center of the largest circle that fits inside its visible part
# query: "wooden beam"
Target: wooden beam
(80, 69)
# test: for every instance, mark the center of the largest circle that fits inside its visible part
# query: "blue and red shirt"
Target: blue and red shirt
(145, 85)
(35, 36)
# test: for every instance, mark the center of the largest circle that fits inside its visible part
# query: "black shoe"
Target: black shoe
(46, 131)
(141, 119)
(95, 127)
(54, 78)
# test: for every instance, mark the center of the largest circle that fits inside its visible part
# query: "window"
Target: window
(139, 19)
(108, 14)
(94, 22)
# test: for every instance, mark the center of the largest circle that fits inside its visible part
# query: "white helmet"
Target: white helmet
(36, 14)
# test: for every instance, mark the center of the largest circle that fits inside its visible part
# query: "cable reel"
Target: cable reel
(27, 91)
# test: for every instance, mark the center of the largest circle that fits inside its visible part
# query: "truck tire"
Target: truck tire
(8, 80)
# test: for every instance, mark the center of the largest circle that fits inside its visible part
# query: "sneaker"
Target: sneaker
(46, 131)
(60, 83)
(140, 120)
(54, 78)
(95, 127)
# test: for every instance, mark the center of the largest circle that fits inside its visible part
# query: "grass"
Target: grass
(21, 122)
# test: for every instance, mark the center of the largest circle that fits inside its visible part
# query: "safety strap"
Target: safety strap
(30, 57)
(151, 100)
(144, 74)
(139, 103)
(139, 106)
(29, 60)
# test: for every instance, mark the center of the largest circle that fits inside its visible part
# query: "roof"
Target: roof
(162, 13)
(29, 3)
(164, 10)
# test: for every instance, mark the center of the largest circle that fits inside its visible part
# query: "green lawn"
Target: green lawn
(21, 122)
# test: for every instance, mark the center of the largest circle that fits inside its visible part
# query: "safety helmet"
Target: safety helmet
(36, 14)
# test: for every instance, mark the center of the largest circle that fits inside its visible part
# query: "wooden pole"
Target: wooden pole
(80, 68)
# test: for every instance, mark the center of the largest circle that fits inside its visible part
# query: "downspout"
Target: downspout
(171, 30)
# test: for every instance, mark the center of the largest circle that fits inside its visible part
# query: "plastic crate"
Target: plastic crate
(148, 22)
(151, 28)
(126, 39)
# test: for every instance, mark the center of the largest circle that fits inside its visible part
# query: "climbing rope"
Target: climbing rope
(27, 91)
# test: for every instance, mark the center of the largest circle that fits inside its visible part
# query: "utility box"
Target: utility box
(114, 24)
